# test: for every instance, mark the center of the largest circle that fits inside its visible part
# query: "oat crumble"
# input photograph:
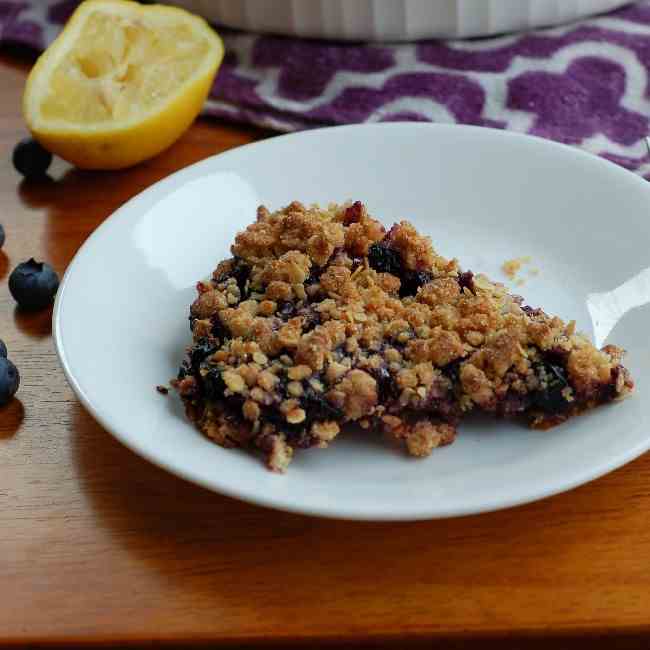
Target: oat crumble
(511, 267)
(322, 318)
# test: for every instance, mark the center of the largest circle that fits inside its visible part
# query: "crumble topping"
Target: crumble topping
(323, 317)
(512, 267)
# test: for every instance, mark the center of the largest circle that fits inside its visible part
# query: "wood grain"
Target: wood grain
(98, 546)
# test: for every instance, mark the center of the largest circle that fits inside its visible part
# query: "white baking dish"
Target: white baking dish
(393, 19)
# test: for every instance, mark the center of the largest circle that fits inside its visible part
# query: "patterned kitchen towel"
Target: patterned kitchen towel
(585, 84)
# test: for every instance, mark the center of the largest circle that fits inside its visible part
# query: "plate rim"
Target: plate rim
(288, 505)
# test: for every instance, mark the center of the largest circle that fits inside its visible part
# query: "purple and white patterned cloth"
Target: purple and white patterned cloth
(585, 84)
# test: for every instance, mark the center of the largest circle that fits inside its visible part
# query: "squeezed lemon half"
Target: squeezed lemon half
(121, 82)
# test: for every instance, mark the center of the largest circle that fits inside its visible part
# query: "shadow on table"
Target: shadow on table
(11, 418)
(195, 537)
(4, 264)
(35, 324)
(227, 556)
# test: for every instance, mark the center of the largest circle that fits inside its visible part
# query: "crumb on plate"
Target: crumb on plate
(513, 266)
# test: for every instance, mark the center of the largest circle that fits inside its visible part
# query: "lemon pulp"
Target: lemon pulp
(124, 69)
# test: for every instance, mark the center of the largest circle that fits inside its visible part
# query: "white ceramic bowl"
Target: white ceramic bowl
(396, 20)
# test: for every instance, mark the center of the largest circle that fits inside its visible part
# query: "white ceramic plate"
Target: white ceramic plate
(120, 320)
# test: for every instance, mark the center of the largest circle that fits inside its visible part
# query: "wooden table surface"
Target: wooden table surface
(99, 546)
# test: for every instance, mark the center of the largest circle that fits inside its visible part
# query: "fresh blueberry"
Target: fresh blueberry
(3, 350)
(2, 235)
(30, 159)
(9, 380)
(33, 284)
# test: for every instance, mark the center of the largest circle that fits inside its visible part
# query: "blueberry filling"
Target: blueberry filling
(387, 388)
(213, 388)
(297, 435)
(466, 281)
(183, 371)
(240, 271)
(289, 310)
(353, 213)
(317, 407)
(608, 392)
(301, 439)
(214, 385)
(557, 356)
(218, 329)
(384, 259)
(314, 275)
(551, 397)
(412, 281)
(532, 312)
(452, 371)
(513, 404)
(199, 352)
(286, 310)
(310, 319)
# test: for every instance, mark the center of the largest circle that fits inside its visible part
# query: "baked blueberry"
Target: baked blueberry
(33, 284)
(31, 159)
(2, 235)
(553, 385)
(201, 349)
(387, 388)
(384, 259)
(466, 281)
(412, 281)
(3, 350)
(9, 380)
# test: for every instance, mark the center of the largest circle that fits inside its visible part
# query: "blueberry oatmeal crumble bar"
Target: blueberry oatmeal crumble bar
(322, 318)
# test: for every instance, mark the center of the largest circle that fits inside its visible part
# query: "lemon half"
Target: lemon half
(121, 82)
